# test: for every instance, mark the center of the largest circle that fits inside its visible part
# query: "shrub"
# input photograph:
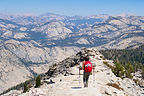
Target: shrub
(108, 65)
(129, 75)
(38, 81)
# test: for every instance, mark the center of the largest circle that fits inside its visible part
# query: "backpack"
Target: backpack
(87, 66)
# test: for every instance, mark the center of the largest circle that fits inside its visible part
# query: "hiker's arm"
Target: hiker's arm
(80, 66)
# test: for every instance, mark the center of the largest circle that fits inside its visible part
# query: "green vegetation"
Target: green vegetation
(29, 83)
(118, 70)
(121, 71)
(108, 65)
(20, 86)
(125, 55)
(129, 69)
(38, 81)
(129, 60)
(17, 87)
(25, 87)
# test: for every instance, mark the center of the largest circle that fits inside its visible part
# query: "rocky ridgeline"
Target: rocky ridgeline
(64, 66)
(63, 79)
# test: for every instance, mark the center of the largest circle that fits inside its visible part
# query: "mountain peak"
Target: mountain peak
(126, 14)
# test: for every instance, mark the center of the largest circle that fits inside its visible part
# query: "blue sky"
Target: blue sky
(73, 7)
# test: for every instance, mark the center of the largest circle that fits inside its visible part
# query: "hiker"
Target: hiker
(87, 67)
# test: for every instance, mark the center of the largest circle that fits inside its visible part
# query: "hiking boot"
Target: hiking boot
(85, 84)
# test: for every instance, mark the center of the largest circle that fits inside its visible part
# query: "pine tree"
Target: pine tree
(129, 70)
(142, 71)
(38, 81)
(118, 70)
(25, 87)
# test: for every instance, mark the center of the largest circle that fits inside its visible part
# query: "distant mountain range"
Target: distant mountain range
(31, 19)
(50, 30)
(29, 44)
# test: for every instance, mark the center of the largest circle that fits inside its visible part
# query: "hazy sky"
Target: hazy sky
(73, 7)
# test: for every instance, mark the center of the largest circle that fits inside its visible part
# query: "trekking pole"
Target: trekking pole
(79, 73)
(93, 75)
(79, 76)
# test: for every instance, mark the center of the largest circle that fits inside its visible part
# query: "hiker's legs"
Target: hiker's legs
(85, 78)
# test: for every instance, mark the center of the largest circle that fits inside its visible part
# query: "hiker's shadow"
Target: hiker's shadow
(76, 87)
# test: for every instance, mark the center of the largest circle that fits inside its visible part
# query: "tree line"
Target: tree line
(132, 60)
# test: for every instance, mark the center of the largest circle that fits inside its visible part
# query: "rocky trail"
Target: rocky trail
(72, 85)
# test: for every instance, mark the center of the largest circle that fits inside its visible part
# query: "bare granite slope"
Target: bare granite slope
(20, 61)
